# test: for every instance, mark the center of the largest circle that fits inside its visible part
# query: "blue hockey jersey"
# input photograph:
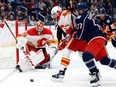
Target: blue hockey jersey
(107, 21)
(87, 28)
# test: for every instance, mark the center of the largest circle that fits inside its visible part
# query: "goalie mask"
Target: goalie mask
(39, 27)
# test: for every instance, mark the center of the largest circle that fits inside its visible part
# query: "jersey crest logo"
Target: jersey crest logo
(108, 21)
(41, 42)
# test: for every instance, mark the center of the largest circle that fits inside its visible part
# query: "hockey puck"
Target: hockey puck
(31, 80)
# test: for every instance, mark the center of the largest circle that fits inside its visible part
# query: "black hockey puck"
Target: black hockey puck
(31, 80)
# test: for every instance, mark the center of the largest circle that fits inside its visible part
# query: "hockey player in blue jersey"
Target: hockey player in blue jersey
(108, 26)
(104, 18)
(88, 29)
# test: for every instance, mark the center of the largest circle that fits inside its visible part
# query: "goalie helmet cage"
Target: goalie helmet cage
(9, 55)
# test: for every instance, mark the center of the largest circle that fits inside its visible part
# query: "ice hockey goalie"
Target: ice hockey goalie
(37, 38)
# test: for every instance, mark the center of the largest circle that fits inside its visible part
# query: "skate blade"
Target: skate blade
(57, 80)
(96, 84)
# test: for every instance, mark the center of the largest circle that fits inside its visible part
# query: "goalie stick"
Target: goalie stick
(67, 39)
(11, 31)
(51, 59)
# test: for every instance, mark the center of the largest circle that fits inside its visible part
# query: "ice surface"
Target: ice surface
(76, 74)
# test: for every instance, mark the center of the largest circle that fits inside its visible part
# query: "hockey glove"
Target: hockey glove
(62, 44)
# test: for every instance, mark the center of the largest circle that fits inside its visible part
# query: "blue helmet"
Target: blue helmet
(102, 11)
(82, 6)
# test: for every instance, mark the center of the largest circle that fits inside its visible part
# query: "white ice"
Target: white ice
(76, 74)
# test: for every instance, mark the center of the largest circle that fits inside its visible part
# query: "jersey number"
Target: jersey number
(79, 26)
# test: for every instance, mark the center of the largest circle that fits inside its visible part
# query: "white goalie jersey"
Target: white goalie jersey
(31, 37)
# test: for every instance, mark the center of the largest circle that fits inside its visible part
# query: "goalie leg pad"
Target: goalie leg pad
(24, 65)
(38, 57)
(46, 60)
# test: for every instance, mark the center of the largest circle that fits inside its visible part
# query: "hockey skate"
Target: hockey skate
(95, 80)
(59, 77)
(99, 74)
(40, 66)
(18, 68)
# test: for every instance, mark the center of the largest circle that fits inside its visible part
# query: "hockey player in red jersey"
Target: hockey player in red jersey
(67, 23)
(37, 38)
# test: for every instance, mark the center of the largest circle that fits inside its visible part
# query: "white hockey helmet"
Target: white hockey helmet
(54, 10)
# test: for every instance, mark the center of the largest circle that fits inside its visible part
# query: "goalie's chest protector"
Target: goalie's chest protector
(39, 41)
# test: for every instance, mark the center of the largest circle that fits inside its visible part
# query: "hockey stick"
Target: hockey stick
(51, 59)
(67, 38)
(11, 31)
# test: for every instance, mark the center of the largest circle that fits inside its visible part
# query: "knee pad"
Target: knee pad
(105, 61)
(87, 56)
(109, 62)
